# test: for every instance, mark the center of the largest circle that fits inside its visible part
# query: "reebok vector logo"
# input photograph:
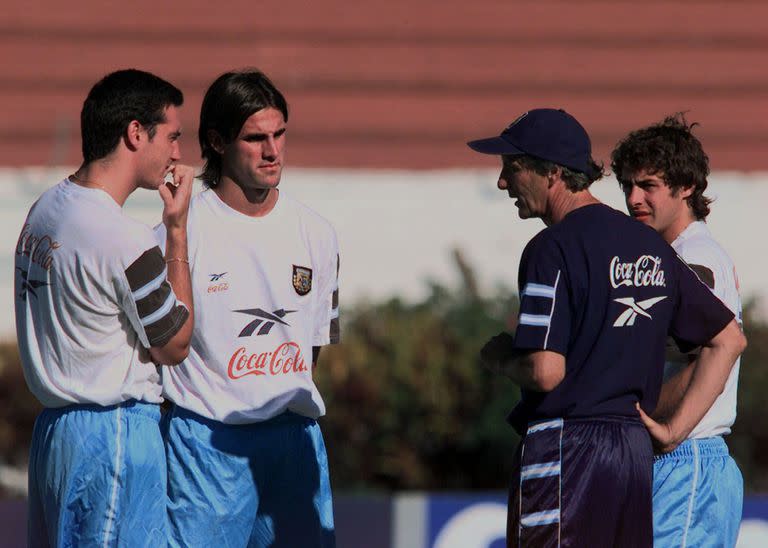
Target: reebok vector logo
(27, 285)
(634, 309)
(264, 319)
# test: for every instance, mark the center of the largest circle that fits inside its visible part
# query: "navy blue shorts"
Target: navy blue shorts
(582, 482)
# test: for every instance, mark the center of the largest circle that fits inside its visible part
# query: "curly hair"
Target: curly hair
(670, 151)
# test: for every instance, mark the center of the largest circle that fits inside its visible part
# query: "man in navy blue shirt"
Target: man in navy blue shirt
(599, 294)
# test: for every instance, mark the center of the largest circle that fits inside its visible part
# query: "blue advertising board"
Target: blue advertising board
(418, 520)
(473, 521)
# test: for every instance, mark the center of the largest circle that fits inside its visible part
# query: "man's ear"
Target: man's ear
(216, 141)
(686, 192)
(553, 176)
(135, 135)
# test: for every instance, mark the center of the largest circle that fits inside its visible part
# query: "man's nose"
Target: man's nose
(176, 152)
(635, 195)
(270, 148)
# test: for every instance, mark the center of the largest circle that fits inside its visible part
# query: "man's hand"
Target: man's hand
(707, 381)
(176, 196)
(496, 351)
(663, 438)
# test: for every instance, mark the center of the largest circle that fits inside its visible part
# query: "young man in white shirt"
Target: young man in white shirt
(246, 460)
(96, 302)
(698, 488)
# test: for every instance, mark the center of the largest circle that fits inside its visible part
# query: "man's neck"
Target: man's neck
(108, 175)
(253, 203)
(678, 227)
(563, 201)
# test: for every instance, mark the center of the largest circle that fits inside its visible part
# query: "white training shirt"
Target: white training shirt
(715, 268)
(265, 292)
(90, 290)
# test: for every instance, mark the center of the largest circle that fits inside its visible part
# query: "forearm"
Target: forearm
(708, 376)
(176, 257)
(176, 198)
(177, 263)
(708, 379)
(672, 392)
(519, 367)
(536, 370)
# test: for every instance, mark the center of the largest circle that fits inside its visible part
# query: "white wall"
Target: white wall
(397, 229)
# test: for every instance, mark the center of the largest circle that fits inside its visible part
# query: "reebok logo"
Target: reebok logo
(27, 285)
(217, 283)
(264, 319)
(635, 309)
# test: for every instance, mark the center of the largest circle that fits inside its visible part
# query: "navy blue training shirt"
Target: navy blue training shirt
(605, 291)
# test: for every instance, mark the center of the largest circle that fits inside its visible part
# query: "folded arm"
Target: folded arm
(707, 380)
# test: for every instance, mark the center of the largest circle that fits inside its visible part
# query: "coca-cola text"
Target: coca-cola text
(39, 249)
(645, 271)
(285, 359)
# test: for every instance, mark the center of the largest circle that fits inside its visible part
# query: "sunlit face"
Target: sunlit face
(528, 187)
(254, 159)
(652, 202)
(161, 150)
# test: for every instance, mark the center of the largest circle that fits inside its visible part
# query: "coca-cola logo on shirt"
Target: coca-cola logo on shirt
(38, 248)
(217, 283)
(644, 272)
(285, 359)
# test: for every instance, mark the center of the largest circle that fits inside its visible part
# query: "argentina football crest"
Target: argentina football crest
(302, 279)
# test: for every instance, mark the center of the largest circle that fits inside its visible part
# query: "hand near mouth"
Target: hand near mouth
(175, 194)
(170, 181)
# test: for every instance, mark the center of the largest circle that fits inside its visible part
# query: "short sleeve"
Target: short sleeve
(327, 329)
(699, 314)
(142, 283)
(152, 307)
(544, 322)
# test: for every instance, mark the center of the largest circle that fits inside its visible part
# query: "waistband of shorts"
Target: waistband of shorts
(705, 447)
(545, 424)
(286, 417)
(150, 410)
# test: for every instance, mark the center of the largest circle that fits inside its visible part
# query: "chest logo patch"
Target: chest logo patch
(635, 309)
(302, 279)
(264, 319)
(217, 283)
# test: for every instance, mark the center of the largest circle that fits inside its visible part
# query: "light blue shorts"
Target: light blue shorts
(698, 493)
(255, 485)
(97, 477)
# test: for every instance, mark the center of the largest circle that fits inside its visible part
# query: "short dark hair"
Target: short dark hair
(230, 100)
(575, 181)
(118, 99)
(670, 151)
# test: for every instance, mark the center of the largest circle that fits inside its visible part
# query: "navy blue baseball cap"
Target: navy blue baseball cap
(545, 133)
